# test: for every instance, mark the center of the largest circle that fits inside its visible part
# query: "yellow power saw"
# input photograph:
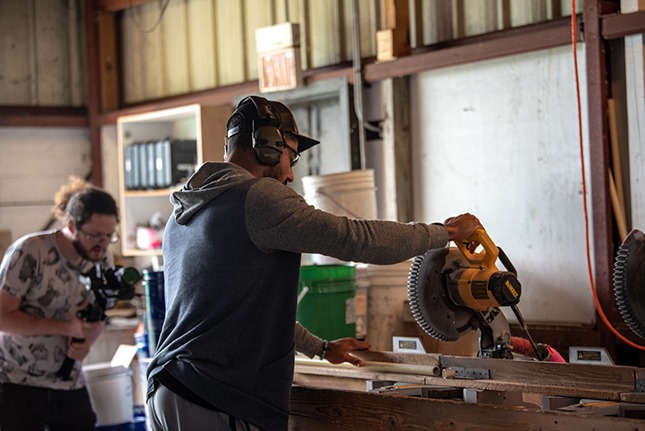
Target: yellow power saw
(453, 292)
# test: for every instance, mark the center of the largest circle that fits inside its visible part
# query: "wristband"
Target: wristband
(324, 349)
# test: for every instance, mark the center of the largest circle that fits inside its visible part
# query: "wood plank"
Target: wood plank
(398, 358)
(329, 410)
(610, 379)
(583, 381)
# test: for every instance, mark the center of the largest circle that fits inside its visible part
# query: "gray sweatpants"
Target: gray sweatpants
(170, 412)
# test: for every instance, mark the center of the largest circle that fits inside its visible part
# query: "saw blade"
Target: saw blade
(629, 281)
(430, 304)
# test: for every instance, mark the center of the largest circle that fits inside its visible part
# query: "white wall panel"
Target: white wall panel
(324, 43)
(230, 48)
(258, 13)
(15, 52)
(635, 82)
(480, 16)
(201, 44)
(525, 12)
(635, 71)
(143, 58)
(499, 139)
(174, 39)
(33, 166)
(52, 60)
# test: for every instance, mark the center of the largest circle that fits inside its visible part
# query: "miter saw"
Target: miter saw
(629, 281)
(453, 292)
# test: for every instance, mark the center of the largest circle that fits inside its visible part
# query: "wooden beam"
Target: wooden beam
(30, 116)
(333, 410)
(546, 378)
(94, 95)
(602, 233)
(108, 59)
(118, 5)
(475, 48)
(616, 26)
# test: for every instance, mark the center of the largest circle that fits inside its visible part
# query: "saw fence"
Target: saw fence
(397, 391)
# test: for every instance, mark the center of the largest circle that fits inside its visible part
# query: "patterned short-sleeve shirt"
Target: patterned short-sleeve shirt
(48, 286)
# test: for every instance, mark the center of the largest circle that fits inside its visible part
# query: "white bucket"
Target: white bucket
(387, 292)
(350, 194)
(110, 391)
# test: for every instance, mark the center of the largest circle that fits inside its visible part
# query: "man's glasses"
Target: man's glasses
(98, 237)
(296, 159)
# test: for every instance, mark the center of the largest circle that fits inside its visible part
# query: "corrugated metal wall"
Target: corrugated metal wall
(179, 46)
(42, 53)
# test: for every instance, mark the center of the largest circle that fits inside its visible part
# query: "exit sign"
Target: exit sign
(279, 63)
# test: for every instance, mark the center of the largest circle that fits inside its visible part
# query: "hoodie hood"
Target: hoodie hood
(210, 181)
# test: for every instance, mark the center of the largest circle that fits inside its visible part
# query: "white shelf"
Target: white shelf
(204, 124)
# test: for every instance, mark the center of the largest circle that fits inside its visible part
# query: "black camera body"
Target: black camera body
(107, 287)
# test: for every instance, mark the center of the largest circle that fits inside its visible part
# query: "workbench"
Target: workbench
(410, 392)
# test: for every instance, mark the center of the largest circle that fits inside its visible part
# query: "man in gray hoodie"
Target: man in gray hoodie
(232, 252)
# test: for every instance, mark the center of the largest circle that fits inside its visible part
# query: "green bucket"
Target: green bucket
(326, 304)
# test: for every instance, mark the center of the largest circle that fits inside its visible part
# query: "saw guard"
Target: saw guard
(431, 307)
(629, 281)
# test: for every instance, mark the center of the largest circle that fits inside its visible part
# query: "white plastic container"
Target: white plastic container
(110, 391)
(352, 194)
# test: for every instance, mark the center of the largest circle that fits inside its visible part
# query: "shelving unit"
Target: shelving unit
(205, 124)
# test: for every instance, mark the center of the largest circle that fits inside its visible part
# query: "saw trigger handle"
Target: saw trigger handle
(486, 258)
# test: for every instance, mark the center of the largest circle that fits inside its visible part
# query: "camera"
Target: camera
(107, 287)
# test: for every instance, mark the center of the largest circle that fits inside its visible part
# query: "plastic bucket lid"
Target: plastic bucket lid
(327, 272)
(351, 194)
(104, 369)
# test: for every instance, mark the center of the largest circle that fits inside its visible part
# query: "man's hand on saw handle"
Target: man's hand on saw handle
(462, 228)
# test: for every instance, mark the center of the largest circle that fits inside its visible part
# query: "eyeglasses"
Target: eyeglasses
(296, 159)
(98, 237)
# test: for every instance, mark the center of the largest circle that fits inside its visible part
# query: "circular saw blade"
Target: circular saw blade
(629, 281)
(430, 304)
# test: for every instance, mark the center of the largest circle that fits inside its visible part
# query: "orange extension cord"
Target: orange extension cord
(601, 313)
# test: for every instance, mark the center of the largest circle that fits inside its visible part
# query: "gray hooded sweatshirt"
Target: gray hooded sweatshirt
(232, 251)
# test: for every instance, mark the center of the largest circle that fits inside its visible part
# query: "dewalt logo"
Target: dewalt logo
(511, 289)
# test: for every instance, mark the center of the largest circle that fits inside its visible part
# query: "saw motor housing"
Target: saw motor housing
(453, 291)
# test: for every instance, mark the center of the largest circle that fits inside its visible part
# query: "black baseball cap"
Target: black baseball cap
(286, 121)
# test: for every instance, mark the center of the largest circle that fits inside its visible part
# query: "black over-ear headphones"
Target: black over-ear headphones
(268, 142)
